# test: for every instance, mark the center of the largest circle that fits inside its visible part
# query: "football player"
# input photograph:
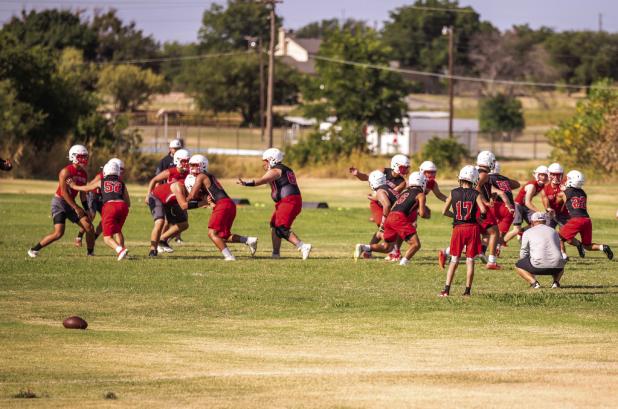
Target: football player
(395, 178)
(199, 184)
(400, 222)
(288, 200)
(115, 204)
(575, 200)
(502, 211)
(63, 204)
(429, 170)
(524, 208)
(384, 197)
(464, 204)
(178, 172)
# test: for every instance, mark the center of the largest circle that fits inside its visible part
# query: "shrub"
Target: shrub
(446, 153)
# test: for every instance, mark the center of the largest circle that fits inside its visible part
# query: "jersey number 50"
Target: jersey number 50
(112, 187)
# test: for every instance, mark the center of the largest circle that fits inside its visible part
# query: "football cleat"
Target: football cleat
(163, 247)
(393, 256)
(483, 258)
(556, 284)
(252, 244)
(443, 293)
(535, 285)
(441, 259)
(581, 250)
(367, 254)
(404, 261)
(179, 240)
(153, 253)
(123, 253)
(33, 253)
(608, 252)
(229, 258)
(305, 250)
(275, 255)
(493, 266)
(358, 251)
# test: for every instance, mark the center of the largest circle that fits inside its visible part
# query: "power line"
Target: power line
(183, 58)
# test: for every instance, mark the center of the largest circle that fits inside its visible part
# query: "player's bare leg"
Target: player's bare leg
(492, 260)
(115, 245)
(527, 276)
(250, 242)
(119, 237)
(600, 247)
(514, 232)
(87, 226)
(469, 275)
(79, 237)
(276, 243)
(557, 278)
(47, 240)
(155, 235)
(221, 245)
(414, 246)
(174, 229)
(450, 274)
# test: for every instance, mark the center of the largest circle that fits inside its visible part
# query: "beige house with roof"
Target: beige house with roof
(297, 52)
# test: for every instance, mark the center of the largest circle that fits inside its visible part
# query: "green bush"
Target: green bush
(501, 113)
(446, 153)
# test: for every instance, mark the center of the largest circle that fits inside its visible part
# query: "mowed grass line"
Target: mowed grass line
(189, 330)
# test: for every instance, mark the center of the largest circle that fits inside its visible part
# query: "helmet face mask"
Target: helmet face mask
(181, 160)
(198, 164)
(556, 178)
(430, 174)
(400, 164)
(541, 174)
(78, 155)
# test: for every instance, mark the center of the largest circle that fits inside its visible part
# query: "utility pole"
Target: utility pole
(600, 22)
(261, 62)
(449, 31)
(271, 71)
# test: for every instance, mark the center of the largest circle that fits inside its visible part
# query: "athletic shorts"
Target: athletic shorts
(60, 211)
(522, 214)
(286, 210)
(561, 218)
(174, 214)
(113, 216)
(466, 235)
(503, 216)
(376, 212)
(222, 218)
(575, 225)
(157, 208)
(490, 220)
(95, 202)
(397, 225)
(526, 265)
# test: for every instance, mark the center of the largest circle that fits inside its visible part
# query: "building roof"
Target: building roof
(312, 45)
(306, 67)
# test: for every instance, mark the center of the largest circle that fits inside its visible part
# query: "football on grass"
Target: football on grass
(75, 323)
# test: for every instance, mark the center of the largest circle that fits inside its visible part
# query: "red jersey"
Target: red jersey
(164, 193)
(176, 175)
(79, 176)
(431, 183)
(556, 203)
(521, 196)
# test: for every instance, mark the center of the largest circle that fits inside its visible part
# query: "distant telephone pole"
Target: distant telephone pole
(600, 22)
(271, 70)
(449, 31)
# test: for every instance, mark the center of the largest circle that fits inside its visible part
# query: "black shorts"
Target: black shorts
(562, 218)
(174, 214)
(522, 214)
(95, 202)
(526, 265)
(61, 211)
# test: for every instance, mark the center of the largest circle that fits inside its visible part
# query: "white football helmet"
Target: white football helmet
(198, 164)
(182, 155)
(575, 179)
(417, 179)
(111, 168)
(555, 173)
(273, 156)
(376, 179)
(428, 166)
(486, 159)
(175, 144)
(400, 164)
(540, 170)
(496, 169)
(470, 174)
(190, 182)
(78, 155)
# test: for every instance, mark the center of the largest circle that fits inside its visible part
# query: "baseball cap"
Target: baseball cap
(539, 217)
(175, 144)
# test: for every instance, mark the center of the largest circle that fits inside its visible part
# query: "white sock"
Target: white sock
(447, 251)
(601, 247)
(300, 244)
(118, 249)
(366, 248)
(226, 252)
(491, 259)
(565, 256)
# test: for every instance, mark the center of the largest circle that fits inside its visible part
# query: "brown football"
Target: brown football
(75, 323)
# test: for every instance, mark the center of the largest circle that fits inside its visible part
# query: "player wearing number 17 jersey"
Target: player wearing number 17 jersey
(116, 202)
(462, 205)
(575, 200)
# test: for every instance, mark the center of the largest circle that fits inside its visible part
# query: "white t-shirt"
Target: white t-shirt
(542, 244)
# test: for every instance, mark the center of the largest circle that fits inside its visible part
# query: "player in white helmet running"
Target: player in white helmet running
(63, 204)
(430, 170)
(288, 201)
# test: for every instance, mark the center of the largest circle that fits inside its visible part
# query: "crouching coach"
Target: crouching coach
(540, 252)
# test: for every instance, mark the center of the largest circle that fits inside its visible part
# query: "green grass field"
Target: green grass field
(190, 330)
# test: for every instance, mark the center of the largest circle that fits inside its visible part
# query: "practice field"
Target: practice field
(190, 330)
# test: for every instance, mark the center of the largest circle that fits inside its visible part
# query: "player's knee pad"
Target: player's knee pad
(454, 259)
(282, 232)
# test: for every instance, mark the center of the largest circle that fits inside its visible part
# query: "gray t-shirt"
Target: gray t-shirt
(542, 244)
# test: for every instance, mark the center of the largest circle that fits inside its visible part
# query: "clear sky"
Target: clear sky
(179, 20)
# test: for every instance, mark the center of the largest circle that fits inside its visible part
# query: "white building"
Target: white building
(297, 52)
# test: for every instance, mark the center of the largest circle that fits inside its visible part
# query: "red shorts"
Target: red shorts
(376, 211)
(490, 220)
(222, 218)
(113, 216)
(467, 235)
(396, 225)
(581, 225)
(286, 211)
(503, 216)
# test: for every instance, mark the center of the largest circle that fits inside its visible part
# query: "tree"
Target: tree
(587, 140)
(232, 85)
(415, 35)
(175, 70)
(56, 29)
(17, 119)
(446, 153)
(128, 85)
(501, 114)
(361, 94)
(117, 41)
(320, 29)
(225, 29)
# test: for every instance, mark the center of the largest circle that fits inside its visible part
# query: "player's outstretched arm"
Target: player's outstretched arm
(481, 204)
(358, 174)
(514, 184)
(270, 176)
(153, 182)
(422, 210)
(528, 200)
(447, 207)
(92, 185)
(436, 191)
(382, 197)
(504, 198)
(62, 178)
